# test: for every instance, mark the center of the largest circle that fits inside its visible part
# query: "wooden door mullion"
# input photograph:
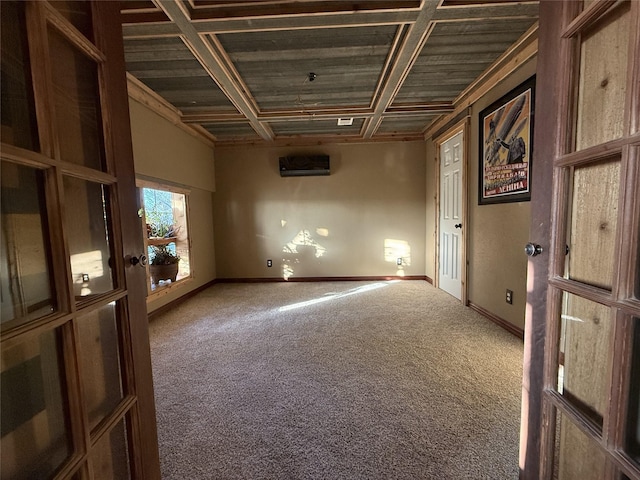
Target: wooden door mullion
(632, 114)
(78, 416)
(36, 23)
(49, 145)
(619, 393)
(550, 378)
(569, 70)
(71, 33)
(627, 261)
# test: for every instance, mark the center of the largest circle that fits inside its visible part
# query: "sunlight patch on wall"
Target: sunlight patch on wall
(290, 250)
(397, 252)
(395, 249)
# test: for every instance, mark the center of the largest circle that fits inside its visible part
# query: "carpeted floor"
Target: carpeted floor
(337, 380)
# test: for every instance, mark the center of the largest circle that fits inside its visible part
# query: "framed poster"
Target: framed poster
(506, 140)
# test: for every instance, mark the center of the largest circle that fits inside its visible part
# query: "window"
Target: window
(165, 215)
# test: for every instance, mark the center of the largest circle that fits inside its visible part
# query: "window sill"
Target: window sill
(162, 290)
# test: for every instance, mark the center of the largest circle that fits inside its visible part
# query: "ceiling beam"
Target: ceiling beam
(206, 54)
(296, 7)
(320, 139)
(304, 22)
(494, 11)
(409, 50)
(269, 23)
(212, 116)
(389, 62)
(419, 108)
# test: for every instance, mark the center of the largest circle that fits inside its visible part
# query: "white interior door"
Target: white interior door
(451, 166)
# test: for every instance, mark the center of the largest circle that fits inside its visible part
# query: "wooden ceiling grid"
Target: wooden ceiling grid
(239, 71)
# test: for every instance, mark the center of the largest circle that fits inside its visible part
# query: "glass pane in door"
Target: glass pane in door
(35, 424)
(101, 363)
(77, 103)
(110, 458)
(87, 236)
(27, 291)
(603, 80)
(577, 456)
(78, 14)
(594, 213)
(632, 444)
(585, 339)
(18, 109)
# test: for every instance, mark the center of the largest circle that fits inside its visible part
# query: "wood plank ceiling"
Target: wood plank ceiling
(285, 71)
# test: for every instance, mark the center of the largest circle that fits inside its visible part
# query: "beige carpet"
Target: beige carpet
(337, 380)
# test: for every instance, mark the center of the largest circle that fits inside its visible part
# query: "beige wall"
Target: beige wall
(375, 193)
(167, 154)
(496, 234)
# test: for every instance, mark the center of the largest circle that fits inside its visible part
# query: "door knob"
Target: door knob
(532, 249)
(458, 225)
(141, 260)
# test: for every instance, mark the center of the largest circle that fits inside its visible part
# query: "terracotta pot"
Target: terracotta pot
(163, 272)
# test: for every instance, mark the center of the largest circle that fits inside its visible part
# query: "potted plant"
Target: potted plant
(162, 230)
(163, 264)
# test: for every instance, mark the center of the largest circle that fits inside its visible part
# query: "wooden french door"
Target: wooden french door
(77, 394)
(581, 407)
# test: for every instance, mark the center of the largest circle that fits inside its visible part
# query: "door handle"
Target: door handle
(532, 249)
(141, 260)
(458, 225)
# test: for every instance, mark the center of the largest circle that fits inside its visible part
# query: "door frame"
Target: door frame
(145, 435)
(546, 145)
(464, 127)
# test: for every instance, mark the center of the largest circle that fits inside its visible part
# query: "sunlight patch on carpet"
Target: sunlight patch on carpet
(336, 296)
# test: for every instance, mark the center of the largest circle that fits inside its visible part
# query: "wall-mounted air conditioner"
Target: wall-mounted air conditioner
(304, 165)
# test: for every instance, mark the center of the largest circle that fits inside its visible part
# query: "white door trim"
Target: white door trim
(461, 126)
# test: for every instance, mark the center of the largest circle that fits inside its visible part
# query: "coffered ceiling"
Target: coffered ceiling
(285, 70)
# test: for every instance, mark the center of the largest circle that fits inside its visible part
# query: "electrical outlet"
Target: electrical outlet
(269, 263)
(509, 297)
(399, 261)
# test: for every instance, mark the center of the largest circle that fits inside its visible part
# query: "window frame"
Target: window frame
(157, 184)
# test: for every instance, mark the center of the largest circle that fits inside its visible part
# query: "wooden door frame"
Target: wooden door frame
(546, 142)
(462, 126)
